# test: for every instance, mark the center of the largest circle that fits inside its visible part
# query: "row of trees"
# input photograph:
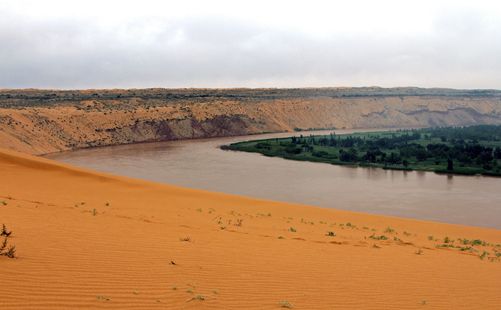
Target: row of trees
(466, 146)
(332, 140)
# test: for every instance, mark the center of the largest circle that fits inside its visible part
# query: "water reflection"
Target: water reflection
(450, 180)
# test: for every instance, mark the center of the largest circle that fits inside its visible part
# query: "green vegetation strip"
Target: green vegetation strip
(457, 150)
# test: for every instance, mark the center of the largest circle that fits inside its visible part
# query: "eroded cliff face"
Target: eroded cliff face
(39, 122)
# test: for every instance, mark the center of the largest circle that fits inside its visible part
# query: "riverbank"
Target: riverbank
(201, 164)
(470, 150)
(39, 121)
(87, 239)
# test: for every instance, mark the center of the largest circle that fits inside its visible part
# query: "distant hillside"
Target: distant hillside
(44, 121)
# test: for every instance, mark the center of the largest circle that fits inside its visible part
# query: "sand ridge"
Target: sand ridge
(91, 240)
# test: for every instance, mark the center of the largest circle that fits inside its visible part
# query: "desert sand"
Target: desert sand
(90, 240)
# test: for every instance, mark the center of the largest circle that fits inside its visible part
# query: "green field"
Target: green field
(456, 150)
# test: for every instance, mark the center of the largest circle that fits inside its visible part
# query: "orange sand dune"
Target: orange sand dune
(90, 240)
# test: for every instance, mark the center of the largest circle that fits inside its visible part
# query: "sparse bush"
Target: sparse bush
(484, 255)
(477, 242)
(389, 230)
(5, 232)
(382, 237)
(4, 245)
(196, 297)
(5, 249)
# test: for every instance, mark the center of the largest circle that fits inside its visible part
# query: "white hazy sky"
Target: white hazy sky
(184, 43)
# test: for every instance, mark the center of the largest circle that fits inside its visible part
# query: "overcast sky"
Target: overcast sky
(103, 44)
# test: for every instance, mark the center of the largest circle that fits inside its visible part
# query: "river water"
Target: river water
(470, 200)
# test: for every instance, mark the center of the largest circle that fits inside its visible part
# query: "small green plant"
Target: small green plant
(285, 304)
(445, 245)
(197, 297)
(350, 225)
(330, 234)
(382, 237)
(389, 230)
(477, 242)
(447, 240)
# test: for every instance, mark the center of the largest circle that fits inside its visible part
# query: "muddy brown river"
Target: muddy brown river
(470, 200)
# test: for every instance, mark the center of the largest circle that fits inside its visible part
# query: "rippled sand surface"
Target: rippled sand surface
(93, 241)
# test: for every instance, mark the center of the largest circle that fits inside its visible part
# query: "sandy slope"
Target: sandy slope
(240, 253)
